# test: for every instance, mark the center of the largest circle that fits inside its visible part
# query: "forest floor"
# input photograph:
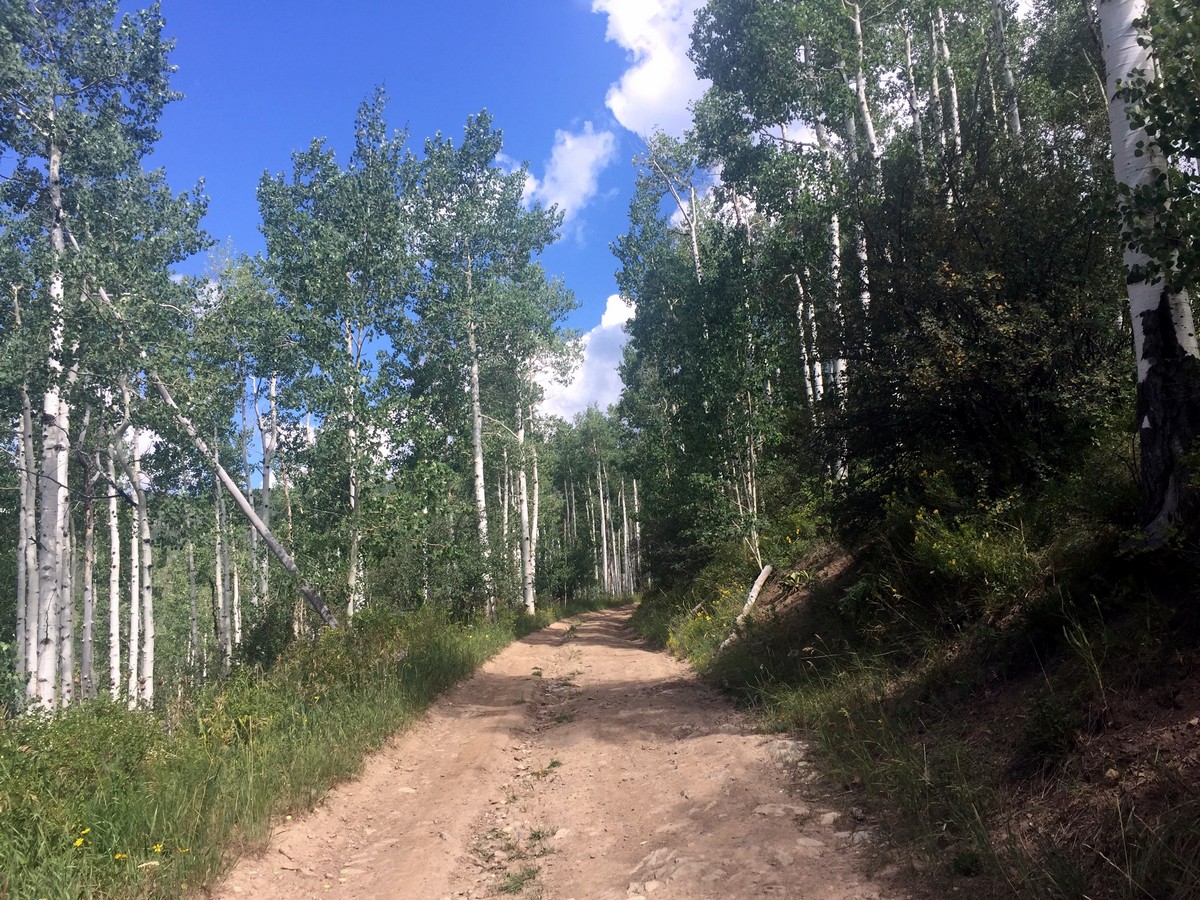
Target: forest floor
(577, 763)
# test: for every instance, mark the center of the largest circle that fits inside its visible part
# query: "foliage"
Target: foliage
(101, 800)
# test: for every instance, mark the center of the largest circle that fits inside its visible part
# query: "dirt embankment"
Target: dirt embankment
(576, 764)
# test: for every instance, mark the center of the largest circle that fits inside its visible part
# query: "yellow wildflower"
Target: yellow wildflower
(157, 848)
(79, 842)
(120, 856)
(86, 831)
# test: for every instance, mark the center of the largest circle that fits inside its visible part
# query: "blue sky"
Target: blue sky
(574, 85)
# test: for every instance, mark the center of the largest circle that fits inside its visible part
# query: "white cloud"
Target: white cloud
(656, 89)
(572, 174)
(596, 381)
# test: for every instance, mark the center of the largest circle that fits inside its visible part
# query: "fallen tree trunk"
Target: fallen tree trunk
(750, 601)
(285, 559)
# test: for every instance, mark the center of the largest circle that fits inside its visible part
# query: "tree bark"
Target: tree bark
(477, 460)
(220, 582)
(193, 619)
(135, 609)
(1165, 346)
(114, 583)
(952, 84)
(87, 666)
(310, 594)
(740, 622)
(1012, 107)
(523, 502)
(914, 108)
(27, 600)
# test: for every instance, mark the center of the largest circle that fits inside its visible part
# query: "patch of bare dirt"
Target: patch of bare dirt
(577, 763)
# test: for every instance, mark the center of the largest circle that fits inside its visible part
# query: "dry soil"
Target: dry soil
(578, 763)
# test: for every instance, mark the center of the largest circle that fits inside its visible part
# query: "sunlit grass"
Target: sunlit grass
(101, 801)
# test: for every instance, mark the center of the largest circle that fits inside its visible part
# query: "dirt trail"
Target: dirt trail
(575, 764)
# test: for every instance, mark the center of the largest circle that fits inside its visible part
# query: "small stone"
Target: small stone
(779, 810)
(809, 842)
(651, 886)
(1112, 775)
(827, 819)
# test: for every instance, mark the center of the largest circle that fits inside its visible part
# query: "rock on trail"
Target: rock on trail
(577, 763)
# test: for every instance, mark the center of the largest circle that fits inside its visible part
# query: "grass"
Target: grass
(99, 801)
(515, 882)
(955, 681)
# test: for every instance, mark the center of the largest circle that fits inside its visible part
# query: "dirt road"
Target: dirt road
(576, 764)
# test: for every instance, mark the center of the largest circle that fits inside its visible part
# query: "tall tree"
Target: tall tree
(476, 241)
(1160, 308)
(337, 250)
(81, 92)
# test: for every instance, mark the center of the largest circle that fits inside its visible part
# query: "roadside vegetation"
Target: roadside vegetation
(103, 801)
(1012, 693)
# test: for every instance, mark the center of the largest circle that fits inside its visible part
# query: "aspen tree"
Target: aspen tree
(1164, 333)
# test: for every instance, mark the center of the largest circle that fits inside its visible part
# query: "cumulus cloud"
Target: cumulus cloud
(573, 172)
(660, 82)
(596, 381)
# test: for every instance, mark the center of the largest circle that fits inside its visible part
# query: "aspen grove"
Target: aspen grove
(351, 407)
(916, 284)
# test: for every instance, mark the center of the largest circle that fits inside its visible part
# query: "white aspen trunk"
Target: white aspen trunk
(114, 584)
(87, 666)
(66, 620)
(534, 526)
(146, 583)
(740, 622)
(252, 535)
(27, 585)
(815, 377)
(227, 581)
(951, 83)
(55, 446)
(614, 554)
(914, 108)
(589, 509)
(689, 211)
(523, 502)
(135, 610)
(810, 363)
(604, 568)
(1012, 107)
(267, 432)
(626, 568)
(833, 372)
(353, 580)
(285, 559)
(864, 104)
(224, 632)
(935, 84)
(237, 606)
(637, 537)
(244, 506)
(1164, 333)
(354, 576)
(193, 618)
(864, 268)
(477, 460)
(503, 489)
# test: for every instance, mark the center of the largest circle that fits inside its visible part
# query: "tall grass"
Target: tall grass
(99, 801)
(887, 664)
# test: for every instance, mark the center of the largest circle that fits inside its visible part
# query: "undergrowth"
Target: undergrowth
(950, 673)
(101, 801)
